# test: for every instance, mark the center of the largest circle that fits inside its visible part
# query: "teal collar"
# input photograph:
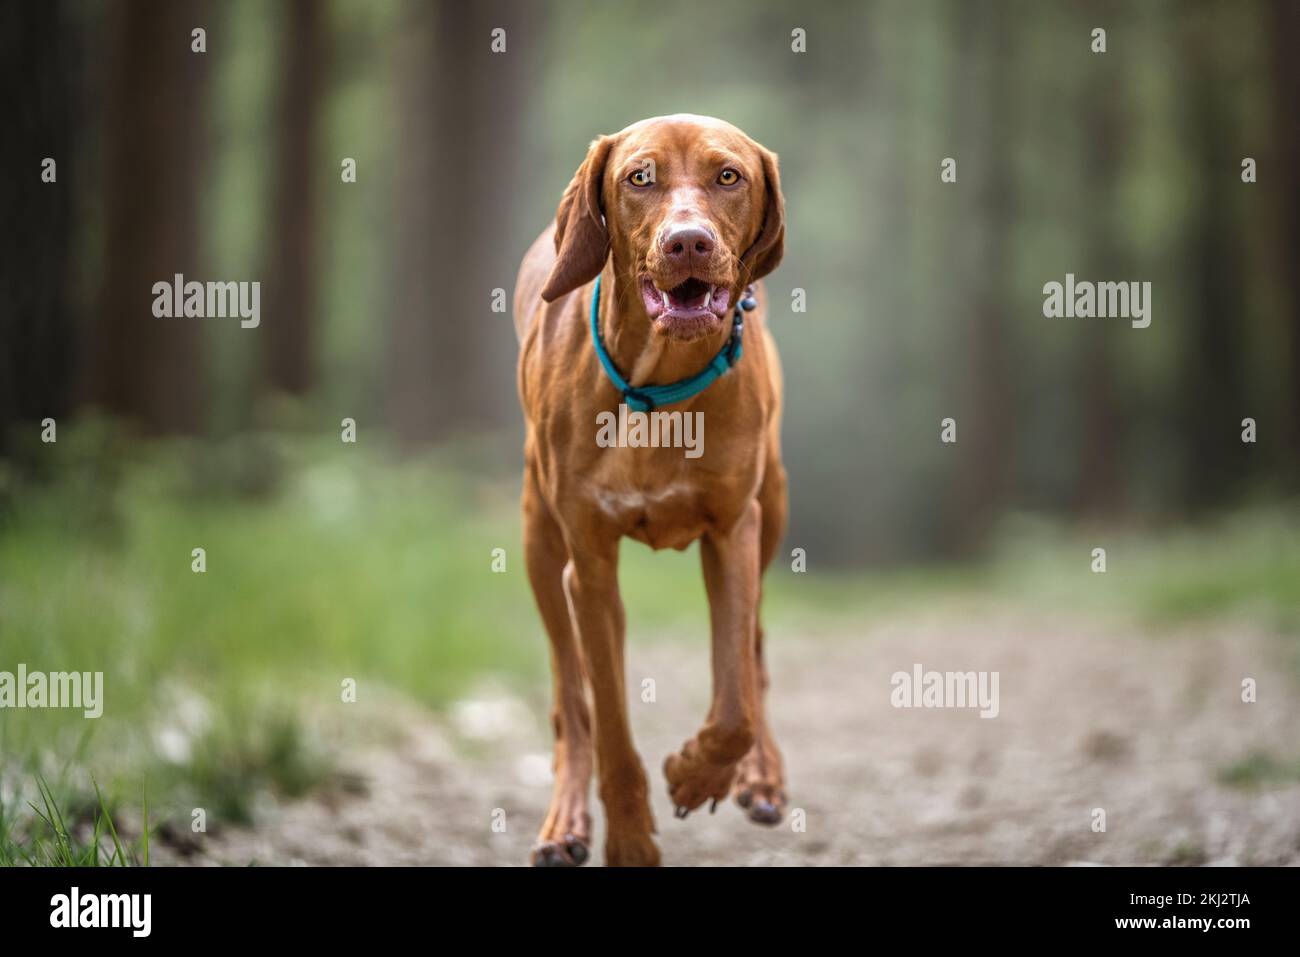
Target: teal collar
(651, 397)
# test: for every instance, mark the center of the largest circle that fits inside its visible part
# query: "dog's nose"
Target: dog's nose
(683, 244)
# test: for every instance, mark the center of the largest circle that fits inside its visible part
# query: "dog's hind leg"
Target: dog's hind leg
(760, 778)
(565, 837)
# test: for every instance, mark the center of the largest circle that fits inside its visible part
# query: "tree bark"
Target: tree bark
(1286, 95)
(460, 107)
(39, 67)
(144, 368)
(1098, 489)
(290, 280)
(986, 423)
(1211, 376)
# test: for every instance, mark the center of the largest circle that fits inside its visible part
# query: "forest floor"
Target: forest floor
(1149, 727)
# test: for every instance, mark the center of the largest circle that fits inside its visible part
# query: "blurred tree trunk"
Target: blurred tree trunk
(1097, 492)
(39, 67)
(986, 423)
(461, 107)
(290, 279)
(1286, 95)
(1211, 375)
(141, 367)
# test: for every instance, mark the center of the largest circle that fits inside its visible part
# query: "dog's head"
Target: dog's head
(691, 209)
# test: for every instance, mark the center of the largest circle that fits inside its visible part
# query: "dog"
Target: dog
(673, 221)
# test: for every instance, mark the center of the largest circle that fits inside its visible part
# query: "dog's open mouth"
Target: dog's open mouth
(692, 306)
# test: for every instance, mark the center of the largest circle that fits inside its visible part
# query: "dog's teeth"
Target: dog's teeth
(665, 295)
(708, 298)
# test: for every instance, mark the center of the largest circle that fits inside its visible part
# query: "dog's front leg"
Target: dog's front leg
(705, 766)
(566, 833)
(591, 583)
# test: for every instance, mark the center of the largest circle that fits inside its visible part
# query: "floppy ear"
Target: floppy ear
(581, 239)
(766, 252)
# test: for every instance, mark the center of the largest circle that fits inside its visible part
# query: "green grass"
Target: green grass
(61, 831)
(323, 564)
(1259, 769)
(1245, 563)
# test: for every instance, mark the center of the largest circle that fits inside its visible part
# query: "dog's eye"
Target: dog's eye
(728, 177)
(640, 177)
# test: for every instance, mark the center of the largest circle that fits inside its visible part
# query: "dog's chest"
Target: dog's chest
(667, 516)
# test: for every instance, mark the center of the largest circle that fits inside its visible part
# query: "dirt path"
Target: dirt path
(1138, 725)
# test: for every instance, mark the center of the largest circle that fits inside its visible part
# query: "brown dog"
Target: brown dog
(677, 215)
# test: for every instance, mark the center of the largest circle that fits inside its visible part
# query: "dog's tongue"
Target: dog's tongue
(692, 294)
(692, 298)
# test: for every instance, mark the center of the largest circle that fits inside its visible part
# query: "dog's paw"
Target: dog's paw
(763, 803)
(759, 790)
(630, 849)
(759, 787)
(693, 779)
(569, 851)
(565, 837)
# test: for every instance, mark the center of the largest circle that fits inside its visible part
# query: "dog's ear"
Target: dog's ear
(766, 252)
(581, 238)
